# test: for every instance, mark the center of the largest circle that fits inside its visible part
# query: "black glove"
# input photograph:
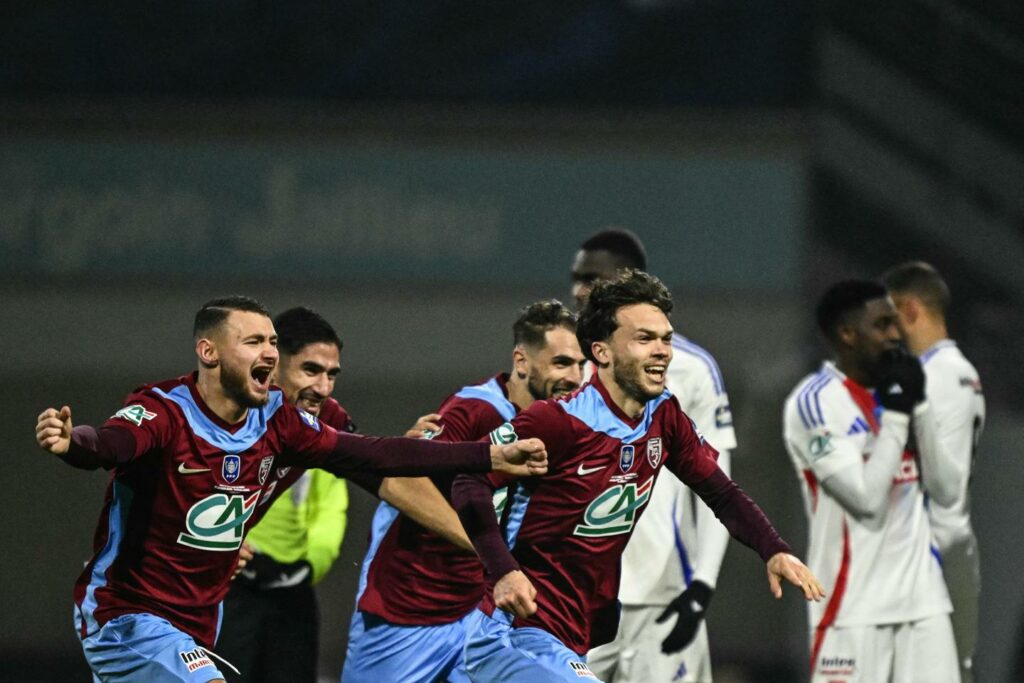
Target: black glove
(264, 572)
(900, 381)
(690, 606)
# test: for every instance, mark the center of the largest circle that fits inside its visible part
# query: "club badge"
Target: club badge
(265, 466)
(626, 454)
(654, 451)
(231, 468)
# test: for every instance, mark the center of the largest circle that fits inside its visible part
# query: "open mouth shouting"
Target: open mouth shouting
(260, 376)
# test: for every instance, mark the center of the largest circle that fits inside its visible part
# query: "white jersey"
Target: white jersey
(877, 569)
(662, 557)
(953, 389)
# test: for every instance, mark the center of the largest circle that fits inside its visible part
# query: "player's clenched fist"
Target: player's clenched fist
(514, 593)
(526, 458)
(53, 430)
(786, 566)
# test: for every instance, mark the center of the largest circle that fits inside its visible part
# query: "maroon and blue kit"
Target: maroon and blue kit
(566, 531)
(416, 587)
(186, 485)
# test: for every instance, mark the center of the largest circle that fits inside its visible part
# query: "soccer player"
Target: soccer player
(552, 564)
(672, 561)
(417, 590)
(953, 389)
(192, 460)
(270, 629)
(888, 615)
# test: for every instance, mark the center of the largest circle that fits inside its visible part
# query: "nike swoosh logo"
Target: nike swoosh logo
(188, 470)
(581, 470)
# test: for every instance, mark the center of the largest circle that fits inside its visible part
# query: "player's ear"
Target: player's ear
(601, 352)
(206, 351)
(520, 362)
(846, 335)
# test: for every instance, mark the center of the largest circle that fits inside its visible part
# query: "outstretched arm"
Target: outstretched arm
(83, 447)
(749, 525)
(399, 456)
(422, 502)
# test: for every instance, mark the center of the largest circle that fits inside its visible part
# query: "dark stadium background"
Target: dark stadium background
(419, 170)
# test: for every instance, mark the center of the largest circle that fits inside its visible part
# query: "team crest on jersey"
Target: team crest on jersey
(626, 457)
(582, 670)
(654, 451)
(195, 659)
(265, 465)
(821, 445)
(504, 434)
(615, 510)
(217, 522)
(231, 468)
(309, 419)
(135, 414)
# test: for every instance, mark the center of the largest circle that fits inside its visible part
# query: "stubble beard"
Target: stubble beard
(236, 387)
(628, 378)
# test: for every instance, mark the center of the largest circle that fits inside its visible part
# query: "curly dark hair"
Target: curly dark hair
(598, 318)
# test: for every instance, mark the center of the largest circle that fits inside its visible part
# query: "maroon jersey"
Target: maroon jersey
(566, 531)
(413, 576)
(186, 485)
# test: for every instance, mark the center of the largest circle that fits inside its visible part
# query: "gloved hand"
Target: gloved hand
(264, 572)
(690, 605)
(901, 381)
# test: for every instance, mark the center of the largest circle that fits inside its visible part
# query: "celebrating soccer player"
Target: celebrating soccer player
(888, 615)
(552, 563)
(671, 563)
(417, 591)
(195, 461)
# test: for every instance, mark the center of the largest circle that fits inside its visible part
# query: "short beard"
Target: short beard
(235, 386)
(630, 383)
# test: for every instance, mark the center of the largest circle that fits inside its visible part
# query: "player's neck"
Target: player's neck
(854, 372)
(925, 335)
(212, 393)
(518, 392)
(625, 402)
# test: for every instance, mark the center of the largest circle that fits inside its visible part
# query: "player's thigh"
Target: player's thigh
(926, 652)
(496, 652)
(380, 651)
(856, 654)
(143, 647)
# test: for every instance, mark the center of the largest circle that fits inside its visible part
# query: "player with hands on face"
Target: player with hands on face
(847, 428)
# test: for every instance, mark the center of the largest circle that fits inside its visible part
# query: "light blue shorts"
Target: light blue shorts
(497, 652)
(380, 651)
(144, 647)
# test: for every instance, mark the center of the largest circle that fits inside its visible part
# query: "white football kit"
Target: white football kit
(886, 614)
(953, 389)
(677, 541)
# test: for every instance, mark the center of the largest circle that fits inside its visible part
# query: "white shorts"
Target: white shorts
(635, 655)
(913, 652)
